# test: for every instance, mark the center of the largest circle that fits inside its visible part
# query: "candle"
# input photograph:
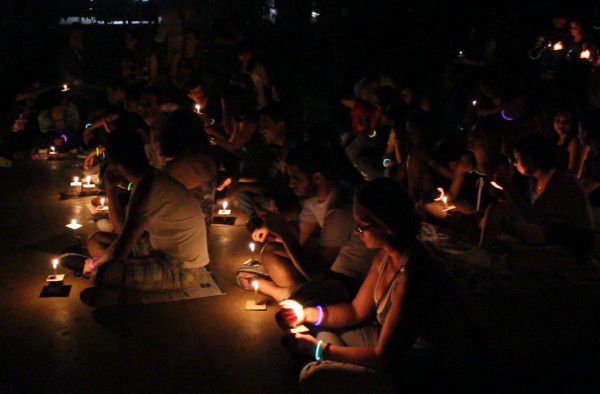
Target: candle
(52, 150)
(255, 287)
(444, 199)
(474, 102)
(252, 247)
(558, 46)
(102, 201)
(586, 54)
(88, 183)
(74, 225)
(55, 266)
(76, 185)
(197, 108)
(65, 87)
(224, 211)
(497, 186)
(461, 54)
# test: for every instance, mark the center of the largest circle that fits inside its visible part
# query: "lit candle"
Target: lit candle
(88, 183)
(586, 54)
(497, 186)
(372, 133)
(252, 247)
(474, 102)
(255, 287)
(197, 108)
(444, 199)
(102, 201)
(74, 225)
(461, 54)
(224, 211)
(52, 150)
(55, 266)
(76, 185)
(65, 87)
(558, 46)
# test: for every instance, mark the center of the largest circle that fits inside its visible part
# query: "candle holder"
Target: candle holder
(76, 186)
(224, 211)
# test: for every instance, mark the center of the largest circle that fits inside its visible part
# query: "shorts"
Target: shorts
(157, 272)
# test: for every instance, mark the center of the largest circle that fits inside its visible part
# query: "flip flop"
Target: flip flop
(249, 270)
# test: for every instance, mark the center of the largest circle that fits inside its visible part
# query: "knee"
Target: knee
(111, 274)
(314, 376)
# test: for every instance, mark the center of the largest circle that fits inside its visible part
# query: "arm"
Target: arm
(241, 135)
(306, 231)
(577, 157)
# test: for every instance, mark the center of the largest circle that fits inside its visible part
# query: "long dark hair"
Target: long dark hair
(389, 204)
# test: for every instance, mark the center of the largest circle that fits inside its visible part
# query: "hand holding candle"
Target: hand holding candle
(558, 46)
(585, 54)
(444, 199)
(292, 312)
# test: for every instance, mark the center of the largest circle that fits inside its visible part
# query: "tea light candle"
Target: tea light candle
(102, 206)
(88, 183)
(225, 211)
(255, 287)
(76, 185)
(52, 150)
(558, 46)
(65, 88)
(55, 266)
(74, 225)
(197, 108)
(474, 103)
(252, 247)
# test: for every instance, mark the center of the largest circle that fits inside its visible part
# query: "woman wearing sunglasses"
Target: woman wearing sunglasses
(406, 307)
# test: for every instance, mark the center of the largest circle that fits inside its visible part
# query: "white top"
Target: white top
(174, 221)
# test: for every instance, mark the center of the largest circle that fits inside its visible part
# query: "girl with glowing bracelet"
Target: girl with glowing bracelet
(411, 297)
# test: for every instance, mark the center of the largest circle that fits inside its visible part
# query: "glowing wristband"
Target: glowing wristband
(318, 350)
(387, 162)
(130, 186)
(505, 116)
(321, 315)
(92, 263)
(64, 137)
(97, 152)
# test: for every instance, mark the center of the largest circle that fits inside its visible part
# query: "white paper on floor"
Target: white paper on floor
(205, 287)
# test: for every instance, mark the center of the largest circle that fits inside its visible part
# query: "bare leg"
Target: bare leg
(99, 241)
(265, 286)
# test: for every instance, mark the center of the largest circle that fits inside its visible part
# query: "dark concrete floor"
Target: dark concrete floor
(62, 345)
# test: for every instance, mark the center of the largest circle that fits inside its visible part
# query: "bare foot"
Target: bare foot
(265, 286)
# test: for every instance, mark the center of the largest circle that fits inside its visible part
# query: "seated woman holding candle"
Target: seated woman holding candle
(184, 143)
(557, 213)
(409, 294)
(158, 206)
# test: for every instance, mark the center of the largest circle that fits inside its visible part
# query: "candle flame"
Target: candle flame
(442, 195)
(198, 107)
(52, 149)
(255, 285)
(225, 204)
(54, 263)
(474, 102)
(88, 179)
(497, 186)
(558, 46)
(102, 201)
(65, 87)
(252, 246)
(445, 199)
(585, 54)
(75, 179)
(73, 221)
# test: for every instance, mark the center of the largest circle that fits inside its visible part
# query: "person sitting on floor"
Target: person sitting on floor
(158, 205)
(326, 210)
(414, 301)
(558, 212)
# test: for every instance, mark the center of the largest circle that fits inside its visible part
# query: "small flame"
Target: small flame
(442, 195)
(558, 46)
(445, 200)
(52, 149)
(255, 285)
(75, 179)
(225, 205)
(54, 263)
(74, 222)
(585, 54)
(497, 186)
(102, 201)
(197, 107)
(252, 246)
(474, 102)
(88, 179)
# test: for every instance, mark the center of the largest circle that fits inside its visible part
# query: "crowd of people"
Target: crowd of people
(339, 209)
